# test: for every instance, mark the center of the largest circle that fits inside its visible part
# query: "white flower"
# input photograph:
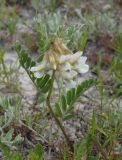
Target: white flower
(38, 67)
(70, 84)
(64, 58)
(81, 65)
(71, 65)
(38, 74)
(74, 57)
(74, 62)
(69, 75)
(38, 70)
(67, 65)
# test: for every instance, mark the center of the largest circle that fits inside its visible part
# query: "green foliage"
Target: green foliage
(46, 26)
(51, 5)
(9, 73)
(43, 83)
(16, 156)
(118, 44)
(87, 20)
(117, 69)
(24, 58)
(37, 153)
(101, 25)
(7, 139)
(84, 39)
(101, 138)
(8, 18)
(1, 56)
(12, 26)
(9, 155)
(11, 114)
(50, 26)
(49, 23)
(104, 133)
(105, 126)
(12, 109)
(75, 36)
(117, 61)
(80, 150)
(66, 105)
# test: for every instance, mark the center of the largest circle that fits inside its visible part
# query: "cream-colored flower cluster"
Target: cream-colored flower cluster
(66, 64)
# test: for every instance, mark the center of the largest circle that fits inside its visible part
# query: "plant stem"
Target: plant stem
(34, 131)
(100, 149)
(6, 75)
(59, 124)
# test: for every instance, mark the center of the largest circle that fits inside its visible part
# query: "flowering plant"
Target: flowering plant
(66, 64)
(59, 64)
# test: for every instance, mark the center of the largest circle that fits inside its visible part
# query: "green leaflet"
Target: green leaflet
(63, 103)
(69, 97)
(37, 153)
(67, 117)
(58, 110)
(65, 107)
(24, 59)
(84, 39)
(43, 83)
(46, 88)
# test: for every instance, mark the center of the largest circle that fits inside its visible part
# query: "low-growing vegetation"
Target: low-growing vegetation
(61, 80)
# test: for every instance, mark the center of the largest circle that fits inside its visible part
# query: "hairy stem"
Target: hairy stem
(53, 114)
